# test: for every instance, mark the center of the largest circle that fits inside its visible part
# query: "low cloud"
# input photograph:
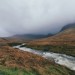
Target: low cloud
(35, 16)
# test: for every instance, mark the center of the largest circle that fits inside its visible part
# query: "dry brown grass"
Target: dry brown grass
(16, 58)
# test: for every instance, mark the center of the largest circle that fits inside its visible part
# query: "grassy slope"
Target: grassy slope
(63, 49)
(15, 62)
(50, 71)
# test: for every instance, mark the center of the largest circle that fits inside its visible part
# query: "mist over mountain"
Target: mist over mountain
(31, 36)
(35, 16)
(68, 26)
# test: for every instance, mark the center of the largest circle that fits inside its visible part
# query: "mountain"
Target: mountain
(32, 36)
(67, 34)
(68, 26)
(63, 42)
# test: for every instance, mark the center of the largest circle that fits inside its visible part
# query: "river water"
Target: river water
(61, 59)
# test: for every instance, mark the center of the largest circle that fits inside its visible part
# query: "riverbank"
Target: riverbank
(19, 62)
(63, 49)
(61, 59)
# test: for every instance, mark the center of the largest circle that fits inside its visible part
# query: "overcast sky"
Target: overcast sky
(35, 16)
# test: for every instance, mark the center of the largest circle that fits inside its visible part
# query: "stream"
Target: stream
(61, 59)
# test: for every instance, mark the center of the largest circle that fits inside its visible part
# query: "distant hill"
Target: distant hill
(66, 34)
(39, 36)
(32, 36)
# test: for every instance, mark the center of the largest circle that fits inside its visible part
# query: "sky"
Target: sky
(35, 16)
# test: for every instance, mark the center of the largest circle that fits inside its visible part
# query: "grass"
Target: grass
(60, 70)
(63, 49)
(15, 71)
(14, 44)
(51, 70)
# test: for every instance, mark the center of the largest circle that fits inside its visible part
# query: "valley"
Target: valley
(52, 55)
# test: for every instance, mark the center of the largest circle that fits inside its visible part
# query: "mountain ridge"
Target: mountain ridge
(68, 26)
(32, 36)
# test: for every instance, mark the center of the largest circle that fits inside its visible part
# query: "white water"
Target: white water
(61, 59)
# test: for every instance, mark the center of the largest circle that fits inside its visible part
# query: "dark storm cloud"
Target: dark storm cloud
(35, 16)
